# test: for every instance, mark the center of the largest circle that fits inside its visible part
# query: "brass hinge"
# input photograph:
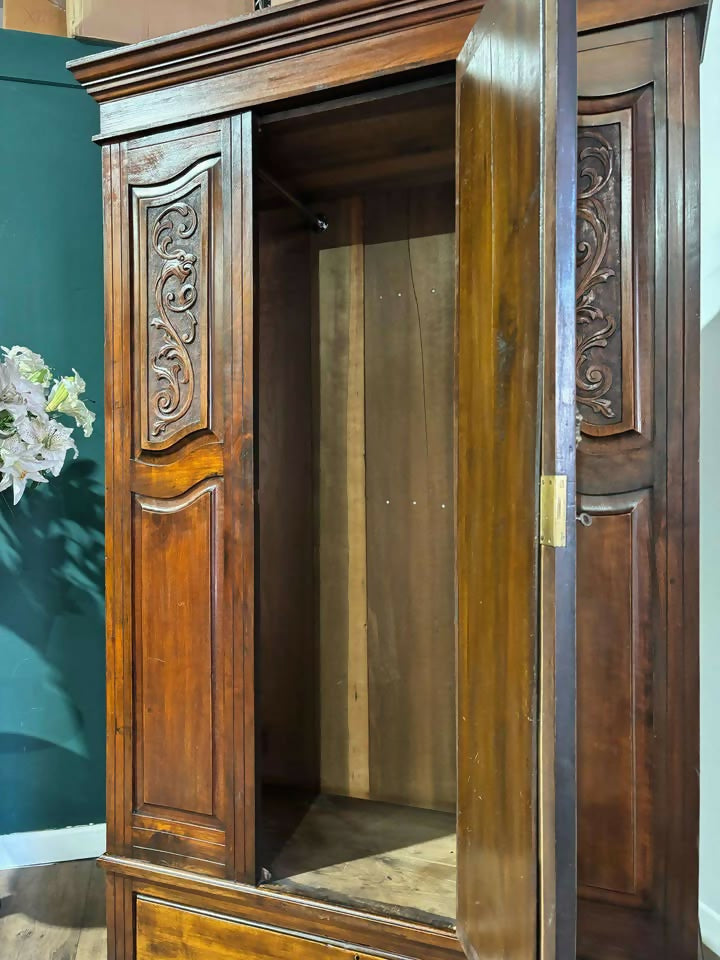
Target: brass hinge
(553, 510)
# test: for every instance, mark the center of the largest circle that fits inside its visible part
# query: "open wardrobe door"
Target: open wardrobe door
(516, 116)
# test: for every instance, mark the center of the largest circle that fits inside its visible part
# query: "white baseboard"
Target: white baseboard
(52, 846)
(710, 927)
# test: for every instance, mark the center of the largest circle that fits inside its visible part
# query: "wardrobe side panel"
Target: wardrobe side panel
(634, 291)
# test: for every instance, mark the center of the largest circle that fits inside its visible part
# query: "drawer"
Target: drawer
(167, 932)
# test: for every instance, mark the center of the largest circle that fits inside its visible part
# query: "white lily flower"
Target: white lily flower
(65, 398)
(50, 438)
(18, 395)
(34, 444)
(56, 442)
(23, 428)
(19, 465)
(30, 365)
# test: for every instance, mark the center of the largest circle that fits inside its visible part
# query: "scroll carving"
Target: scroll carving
(175, 296)
(598, 361)
(173, 251)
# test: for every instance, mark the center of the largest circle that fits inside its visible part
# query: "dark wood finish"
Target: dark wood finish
(366, 142)
(186, 77)
(288, 708)
(557, 682)
(169, 389)
(274, 34)
(636, 166)
(308, 25)
(359, 930)
(174, 720)
(637, 462)
(435, 40)
(683, 304)
(614, 686)
(240, 360)
(515, 302)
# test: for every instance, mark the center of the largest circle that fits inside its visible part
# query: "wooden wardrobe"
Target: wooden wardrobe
(402, 409)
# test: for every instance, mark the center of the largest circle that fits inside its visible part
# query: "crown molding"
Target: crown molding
(304, 26)
(270, 35)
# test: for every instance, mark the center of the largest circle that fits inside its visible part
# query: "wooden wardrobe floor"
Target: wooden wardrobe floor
(392, 859)
(54, 912)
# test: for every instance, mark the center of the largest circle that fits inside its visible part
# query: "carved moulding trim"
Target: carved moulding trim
(171, 243)
(600, 164)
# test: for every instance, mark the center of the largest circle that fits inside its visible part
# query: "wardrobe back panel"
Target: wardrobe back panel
(385, 347)
(409, 367)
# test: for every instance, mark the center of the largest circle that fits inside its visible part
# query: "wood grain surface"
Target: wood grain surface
(409, 372)
(515, 315)
(366, 855)
(53, 912)
(340, 474)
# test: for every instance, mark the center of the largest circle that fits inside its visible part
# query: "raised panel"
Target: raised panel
(611, 62)
(613, 265)
(165, 931)
(172, 251)
(177, 579)
(614, 620)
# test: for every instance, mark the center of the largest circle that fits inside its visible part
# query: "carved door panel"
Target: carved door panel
(180, 485)
(632, 269)
(516, 123)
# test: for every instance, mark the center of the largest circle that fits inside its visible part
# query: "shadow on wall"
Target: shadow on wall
(52, 727)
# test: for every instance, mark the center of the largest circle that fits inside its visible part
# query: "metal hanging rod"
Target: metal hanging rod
(316, 220)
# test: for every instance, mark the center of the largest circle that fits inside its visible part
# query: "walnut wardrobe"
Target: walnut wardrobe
(402, 403)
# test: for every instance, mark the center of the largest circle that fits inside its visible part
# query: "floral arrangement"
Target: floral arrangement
(33, 441)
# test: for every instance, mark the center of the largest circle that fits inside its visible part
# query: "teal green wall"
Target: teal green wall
(52, 701)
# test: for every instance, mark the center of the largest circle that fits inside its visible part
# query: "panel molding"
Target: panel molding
(172, 227)
(615, 828)
(614, 259)
(604, 154)
(177, 586)
(144, 507)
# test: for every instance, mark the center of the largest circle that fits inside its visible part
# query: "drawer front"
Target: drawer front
(167, 932)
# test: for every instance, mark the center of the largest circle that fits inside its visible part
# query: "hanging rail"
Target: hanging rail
(316, 220)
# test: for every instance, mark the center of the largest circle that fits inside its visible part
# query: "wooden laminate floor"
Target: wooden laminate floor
(54, 912)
